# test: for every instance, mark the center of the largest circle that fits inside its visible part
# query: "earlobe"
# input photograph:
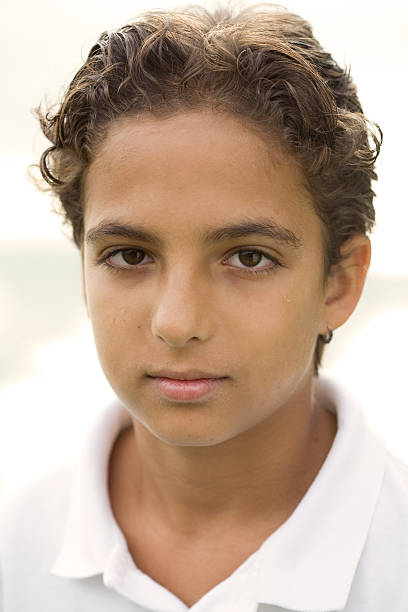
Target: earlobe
(346, 281)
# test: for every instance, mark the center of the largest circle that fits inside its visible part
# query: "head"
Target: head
(257, 72)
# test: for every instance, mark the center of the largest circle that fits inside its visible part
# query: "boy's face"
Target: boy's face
(184, 303)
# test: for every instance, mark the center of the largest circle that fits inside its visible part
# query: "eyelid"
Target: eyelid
(251, 249)
(113, 252)
(273, 259)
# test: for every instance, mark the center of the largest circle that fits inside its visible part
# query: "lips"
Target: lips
(184, 375)
(187, 389)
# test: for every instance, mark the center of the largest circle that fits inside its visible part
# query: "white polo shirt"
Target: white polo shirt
(345, 547)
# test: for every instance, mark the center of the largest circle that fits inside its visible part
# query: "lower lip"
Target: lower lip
(186, 389)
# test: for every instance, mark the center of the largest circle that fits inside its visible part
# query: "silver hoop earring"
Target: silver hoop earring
(328, 337)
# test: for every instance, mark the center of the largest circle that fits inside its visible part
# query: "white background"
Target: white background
(51, 387)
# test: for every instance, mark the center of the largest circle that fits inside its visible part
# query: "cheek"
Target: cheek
(115, 327)
(302, 321)
(283, 329)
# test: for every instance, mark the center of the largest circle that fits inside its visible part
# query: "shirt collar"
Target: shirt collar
(308, 563)
(91, 530)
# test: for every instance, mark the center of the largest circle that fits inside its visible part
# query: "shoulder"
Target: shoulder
(32, 519)
(385, 555)
(390, 519)
(392, 507)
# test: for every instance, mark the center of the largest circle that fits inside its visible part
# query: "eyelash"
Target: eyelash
(261, 272)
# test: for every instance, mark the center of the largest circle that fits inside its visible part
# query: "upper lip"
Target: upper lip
(186, 375)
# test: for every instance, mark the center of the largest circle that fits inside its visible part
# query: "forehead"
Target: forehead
(194, 167)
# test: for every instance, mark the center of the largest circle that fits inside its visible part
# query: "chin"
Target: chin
(187, 428)
(187, 436)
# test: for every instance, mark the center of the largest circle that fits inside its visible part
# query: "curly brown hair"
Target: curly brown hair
(262, 64)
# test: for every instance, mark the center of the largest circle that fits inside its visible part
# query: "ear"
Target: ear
(346, 281)
(84, 294)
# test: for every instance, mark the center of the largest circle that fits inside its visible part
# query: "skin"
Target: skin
(209, 479)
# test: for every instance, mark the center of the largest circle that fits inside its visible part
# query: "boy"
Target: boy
(216, 171)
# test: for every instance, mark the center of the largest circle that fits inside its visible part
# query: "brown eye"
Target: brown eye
(132, 256)
(125, 259)
(250, 258)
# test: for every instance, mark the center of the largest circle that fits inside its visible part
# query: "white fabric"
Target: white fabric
(345, 547)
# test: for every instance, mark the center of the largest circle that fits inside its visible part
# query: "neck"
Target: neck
(260, 474)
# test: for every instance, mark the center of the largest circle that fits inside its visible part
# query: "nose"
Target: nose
(181, 312)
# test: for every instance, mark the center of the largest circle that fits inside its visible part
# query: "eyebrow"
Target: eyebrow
(261, 227)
